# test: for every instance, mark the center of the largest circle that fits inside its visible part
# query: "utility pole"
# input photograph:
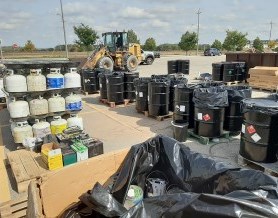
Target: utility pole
(198, 30)
(1, 49)
(270, 32)
(63, 21)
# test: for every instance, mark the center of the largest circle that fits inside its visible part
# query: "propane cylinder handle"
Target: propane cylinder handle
(37, 120)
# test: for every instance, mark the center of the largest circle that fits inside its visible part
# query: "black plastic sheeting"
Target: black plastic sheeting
(198, 186)
(237, 93)
(263, 105)
(210, 97)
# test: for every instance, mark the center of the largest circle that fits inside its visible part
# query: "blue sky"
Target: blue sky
(165, 20)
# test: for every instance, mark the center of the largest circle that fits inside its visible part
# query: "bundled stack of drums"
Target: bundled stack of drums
(40, 105)
(117, 86)
(218, 109)
(229, 71)
(90, 79)
(178, 66)
(259, 138)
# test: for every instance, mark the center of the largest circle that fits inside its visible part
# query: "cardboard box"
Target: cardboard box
(51, 194)
(52, 156)
(81, 151)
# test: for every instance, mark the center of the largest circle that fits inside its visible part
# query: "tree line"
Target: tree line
(87, 38)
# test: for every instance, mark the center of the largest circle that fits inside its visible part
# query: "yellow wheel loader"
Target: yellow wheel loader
(116, 53)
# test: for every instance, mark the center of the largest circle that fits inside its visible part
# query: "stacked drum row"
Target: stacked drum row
(229, 71)
(156, 94)
(117, 86)
(178, 66)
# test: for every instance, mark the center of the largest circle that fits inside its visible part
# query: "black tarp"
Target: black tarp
(204, 186)
(210, 97)
(238, 93)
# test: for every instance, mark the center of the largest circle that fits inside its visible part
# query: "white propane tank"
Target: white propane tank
(15, 83)
(58, 125)
(41, 129)
(38, 106)
(21, 131)
(73, 102)
(55, 80)
(72, 79)
(74, 120)
(56, 104)
(36, 81)
(19, 109)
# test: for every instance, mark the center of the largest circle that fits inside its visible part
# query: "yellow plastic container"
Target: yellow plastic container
(52, 156)
(58, 125)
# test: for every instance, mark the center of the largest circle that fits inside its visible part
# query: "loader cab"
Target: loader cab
(115, 41)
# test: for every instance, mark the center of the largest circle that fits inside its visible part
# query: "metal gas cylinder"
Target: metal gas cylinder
(15, 83)
(56, 103)
(36, 81)
(74, 120)
(72, 79)
(73, 102)
(38, 106)
(21, 131)
(18, 109)
(41, 129)
(55, 80)
(58, 125)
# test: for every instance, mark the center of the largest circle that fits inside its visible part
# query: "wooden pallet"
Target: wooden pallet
(26, 166)
(265, 88)
(15, 208)
(158, 118)
(206, 140)
(86, 93)
(113, 104)
(2, 106)
(233, 83)
(268, 168)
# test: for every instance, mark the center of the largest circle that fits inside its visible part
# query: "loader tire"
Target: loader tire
(105, 63)
(131, 63)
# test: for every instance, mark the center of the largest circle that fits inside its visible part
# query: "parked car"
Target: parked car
(156, 54)
(147, 57)
(212, 52)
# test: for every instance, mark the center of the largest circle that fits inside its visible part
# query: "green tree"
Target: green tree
(168, 47)
(188, 41)
(258, 44)
(271, 44)
(150, 44)
(216, 44)
(235, 41)
(29, 46)
(86, 36)
(132, 37)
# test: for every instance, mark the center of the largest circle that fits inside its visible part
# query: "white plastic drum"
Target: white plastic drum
(15, 83)
(21, 131)
(58, 125)
(56, 104)
(73, 102)
(41, 129)
(55, 80)
(19, 109)
(36, 81)
(72, 79)
(74, 120)
(38, 106)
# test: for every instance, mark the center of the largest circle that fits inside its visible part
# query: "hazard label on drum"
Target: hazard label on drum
(206, 117)
(251, 129)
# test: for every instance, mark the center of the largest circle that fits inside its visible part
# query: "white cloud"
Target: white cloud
(159, 23)
(11, 20)
(134, 12)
